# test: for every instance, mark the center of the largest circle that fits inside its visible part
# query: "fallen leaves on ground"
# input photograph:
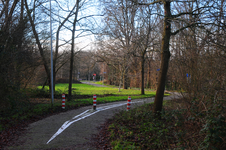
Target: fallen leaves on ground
(10, 135)
(102, 139)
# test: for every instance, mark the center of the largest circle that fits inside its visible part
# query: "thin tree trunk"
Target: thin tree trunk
(149, 74)
(71, 64)
(165, 56)
(142, 74)
(72, 52)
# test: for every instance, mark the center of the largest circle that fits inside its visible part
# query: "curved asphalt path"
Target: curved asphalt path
(78, 126)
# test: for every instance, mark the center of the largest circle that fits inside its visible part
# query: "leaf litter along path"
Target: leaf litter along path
(78, 134)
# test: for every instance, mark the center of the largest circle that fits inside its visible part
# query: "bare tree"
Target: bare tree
(120, 27)
(145, 36)
(111, 53)
(198, 54)
(166, 35)
(40, 47)
(57, 46)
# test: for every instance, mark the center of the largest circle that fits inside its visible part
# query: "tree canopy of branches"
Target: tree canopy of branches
(133, 27)
(119, 32)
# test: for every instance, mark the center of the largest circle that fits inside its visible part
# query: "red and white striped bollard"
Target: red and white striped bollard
(128, 103)
(94, 102)
(63, 101)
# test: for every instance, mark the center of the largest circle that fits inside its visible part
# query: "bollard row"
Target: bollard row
(95, 102)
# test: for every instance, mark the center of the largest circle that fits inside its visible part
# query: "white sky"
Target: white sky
(82, 41)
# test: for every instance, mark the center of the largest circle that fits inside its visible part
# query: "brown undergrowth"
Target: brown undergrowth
(180, 127)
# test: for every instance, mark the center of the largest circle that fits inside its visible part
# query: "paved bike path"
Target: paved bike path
(77, 134)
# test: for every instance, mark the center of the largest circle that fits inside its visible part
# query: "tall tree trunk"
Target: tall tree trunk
(165, 56)
(142, 74)
(72, 52)
(149, 73)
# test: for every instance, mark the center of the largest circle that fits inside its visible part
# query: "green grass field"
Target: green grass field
(85, 89)
(31, 109)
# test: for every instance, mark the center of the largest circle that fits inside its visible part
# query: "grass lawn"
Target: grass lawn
(104, 94)
(85, 89)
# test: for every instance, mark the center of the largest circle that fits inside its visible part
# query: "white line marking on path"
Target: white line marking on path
(83, 115)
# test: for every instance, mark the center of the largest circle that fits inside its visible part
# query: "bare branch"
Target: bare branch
(89, 16)
(185, 27)
(147, 4)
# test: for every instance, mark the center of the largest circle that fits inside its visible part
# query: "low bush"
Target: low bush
(177, 129)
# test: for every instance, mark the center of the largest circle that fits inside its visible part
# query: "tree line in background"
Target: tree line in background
(143, 40)
(157, 44)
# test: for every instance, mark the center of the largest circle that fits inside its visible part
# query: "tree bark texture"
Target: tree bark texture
(165, 56)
